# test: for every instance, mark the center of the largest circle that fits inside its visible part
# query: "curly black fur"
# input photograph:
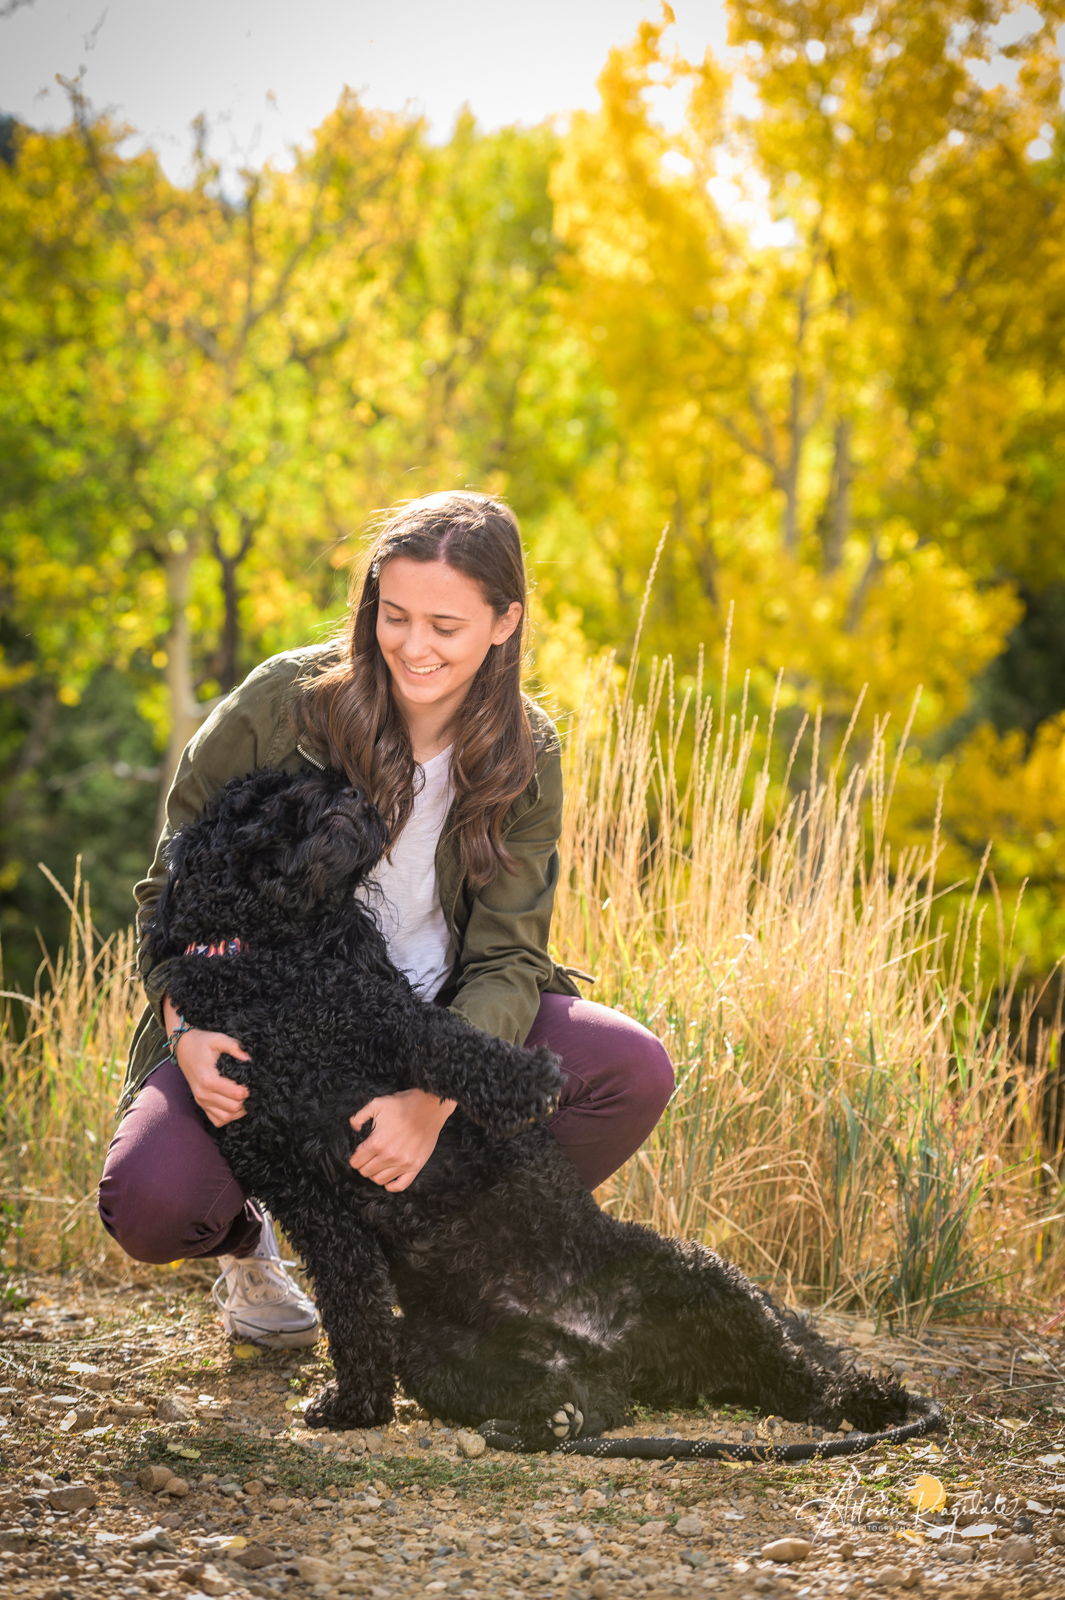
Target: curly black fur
(517, 1293)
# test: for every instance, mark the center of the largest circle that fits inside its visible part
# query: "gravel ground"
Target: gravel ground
(140, 1454)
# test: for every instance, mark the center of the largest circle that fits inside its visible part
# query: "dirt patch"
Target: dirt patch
(141, 1454)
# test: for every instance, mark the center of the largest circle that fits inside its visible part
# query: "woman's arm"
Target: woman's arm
(196, 1053)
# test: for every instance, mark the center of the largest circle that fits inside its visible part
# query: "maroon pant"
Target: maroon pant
(167, 1194)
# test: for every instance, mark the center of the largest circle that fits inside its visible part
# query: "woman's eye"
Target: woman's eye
(446, 633)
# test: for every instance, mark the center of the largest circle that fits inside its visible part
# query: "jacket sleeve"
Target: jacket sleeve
(503, 964)
(238, 737)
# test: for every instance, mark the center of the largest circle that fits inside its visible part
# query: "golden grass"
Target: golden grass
(851, 1122)
(60, 1082)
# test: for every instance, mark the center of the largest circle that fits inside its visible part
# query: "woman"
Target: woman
(421, 704)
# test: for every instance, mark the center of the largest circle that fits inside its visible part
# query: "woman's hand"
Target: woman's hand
(219, 1098)
(405, 1130)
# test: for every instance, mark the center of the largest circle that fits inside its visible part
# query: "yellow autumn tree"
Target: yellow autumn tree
(827, 309)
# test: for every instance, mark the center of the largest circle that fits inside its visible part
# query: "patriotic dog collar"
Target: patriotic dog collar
(224, 947)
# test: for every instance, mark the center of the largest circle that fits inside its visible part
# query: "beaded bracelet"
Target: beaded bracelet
(172, 1039)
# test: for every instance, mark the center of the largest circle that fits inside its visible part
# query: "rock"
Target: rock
(889, 1578)
(212, 1582)
(77, 1420)
(152, 1479)
(787, 1550)
(254, 1486)
(172, 1408)
(254, 1556)
(155, 1538)
(128, 1409)
(93, 1378)
(911, 1578)
(600, 1589)
(73, 1497)
(312, 1570)
(593, 1497)
(651, 1530)
(205, 1578)
(846, 1427)
(1018, 1549)
(278, 1503)
(695, 1558)
(374, 1442)
(957, 1552)
(471, 1445)
(171, 1519)
(177, 1487)
(689, 1527)
(1024, 1525)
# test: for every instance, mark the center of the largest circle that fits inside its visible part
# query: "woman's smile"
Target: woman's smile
(434, 628)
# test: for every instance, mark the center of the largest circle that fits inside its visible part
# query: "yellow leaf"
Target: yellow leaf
(246, 1352)
(292, 1403)
(237, 1543)
(185, 1451)
(928, 1494)
(910, 1535)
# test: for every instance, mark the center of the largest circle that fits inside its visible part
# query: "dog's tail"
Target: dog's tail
(501, 1436)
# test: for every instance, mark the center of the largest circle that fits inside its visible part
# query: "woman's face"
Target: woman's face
(435, 627)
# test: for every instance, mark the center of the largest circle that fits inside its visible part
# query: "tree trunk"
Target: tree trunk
(838, 518)
(185, 714)
(226, 660)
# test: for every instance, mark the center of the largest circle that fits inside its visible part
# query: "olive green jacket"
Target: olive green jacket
(500, 932)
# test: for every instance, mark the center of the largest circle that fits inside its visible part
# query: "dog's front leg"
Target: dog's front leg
(354, 1297)
(500, 1086)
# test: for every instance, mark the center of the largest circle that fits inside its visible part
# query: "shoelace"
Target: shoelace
(269, 1261)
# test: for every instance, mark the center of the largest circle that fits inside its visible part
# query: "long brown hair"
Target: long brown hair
(349, 710)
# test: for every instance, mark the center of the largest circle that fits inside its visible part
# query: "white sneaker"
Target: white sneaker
(262, 1303)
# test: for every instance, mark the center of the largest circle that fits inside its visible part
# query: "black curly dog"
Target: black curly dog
(519, 1297)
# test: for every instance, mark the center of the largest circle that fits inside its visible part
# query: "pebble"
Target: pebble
(312, 1570)
(471, 1445)
(73, 1497)
(205, 1579)
(1018, 1549)
(957, 1552)
(153, 1479)
(255, 1556)
(172, 1408)
(155, 1538)
(889, 1578)
(787, 1550)
(689, 1527)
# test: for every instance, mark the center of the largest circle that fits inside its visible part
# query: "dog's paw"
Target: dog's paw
(567, 1422)
(333, 1409)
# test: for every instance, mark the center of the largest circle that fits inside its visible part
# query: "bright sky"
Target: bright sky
(266, 71)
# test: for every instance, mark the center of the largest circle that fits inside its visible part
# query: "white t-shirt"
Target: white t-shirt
(406, 899)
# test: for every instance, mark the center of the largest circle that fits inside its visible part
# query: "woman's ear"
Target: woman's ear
(507, 623)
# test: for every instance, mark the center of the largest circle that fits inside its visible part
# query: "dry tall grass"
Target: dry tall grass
(850, 1122)
(61, 1072)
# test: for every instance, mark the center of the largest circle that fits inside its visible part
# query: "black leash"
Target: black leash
(930, 1418)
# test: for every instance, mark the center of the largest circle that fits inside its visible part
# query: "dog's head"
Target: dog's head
(271, 856)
